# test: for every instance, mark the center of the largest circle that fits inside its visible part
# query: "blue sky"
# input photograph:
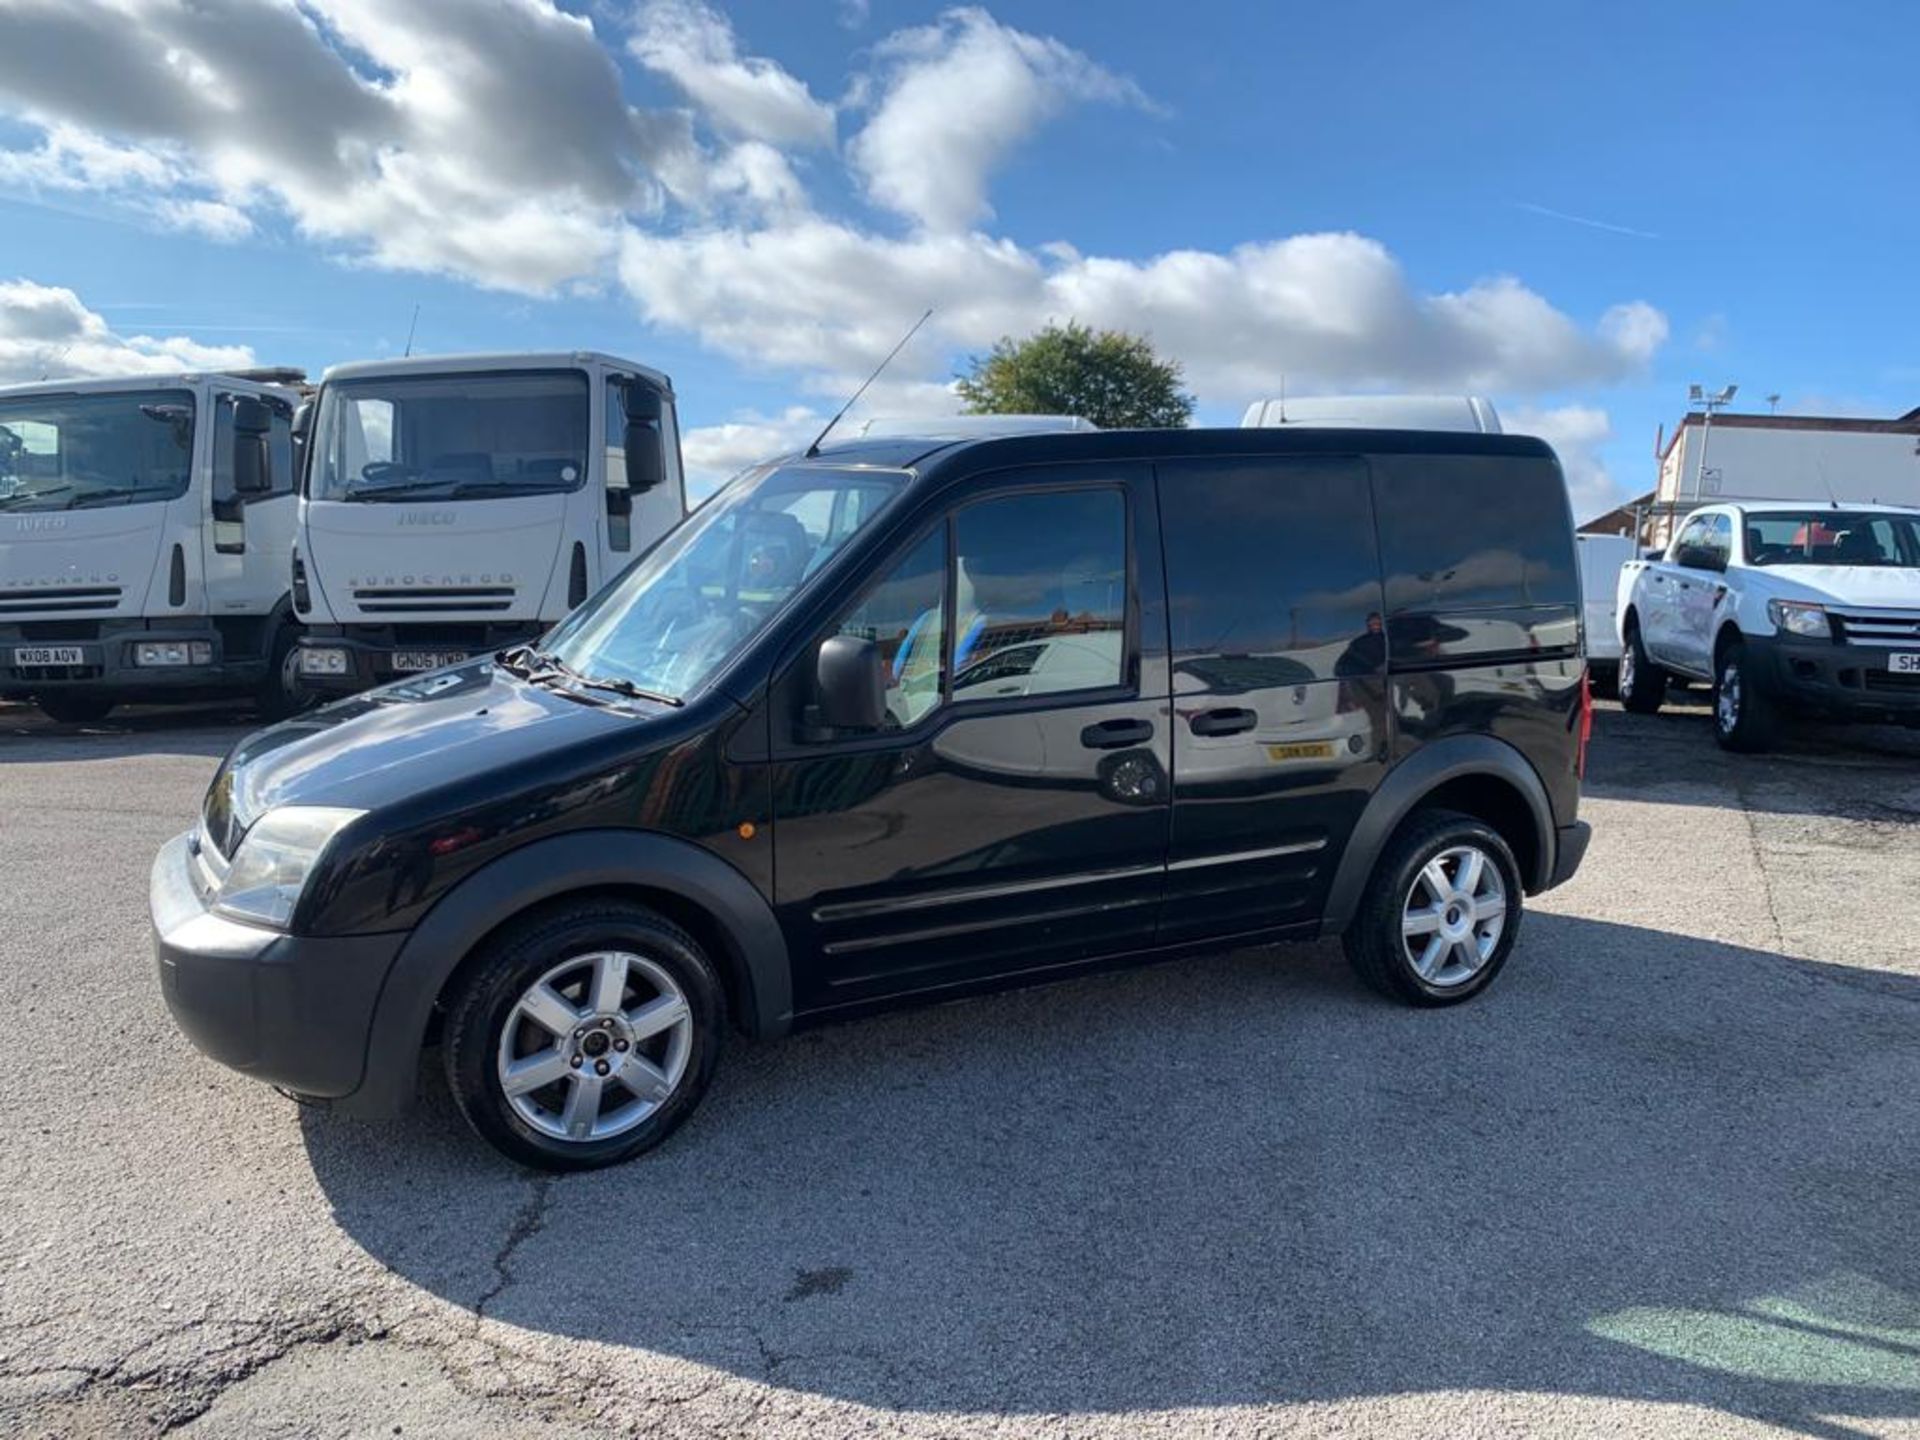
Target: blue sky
(1578, 208)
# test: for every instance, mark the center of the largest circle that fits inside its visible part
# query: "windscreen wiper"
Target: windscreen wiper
(6, 501)
(116, 492)
(536, 665)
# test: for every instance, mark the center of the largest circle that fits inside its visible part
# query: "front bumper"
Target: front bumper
(371, 650)
(292, 1010)
(1852, 682)
(107, 666)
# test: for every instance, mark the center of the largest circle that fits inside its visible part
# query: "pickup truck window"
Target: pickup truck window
(1832, 537)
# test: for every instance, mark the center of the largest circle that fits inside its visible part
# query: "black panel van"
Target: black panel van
(896, 721)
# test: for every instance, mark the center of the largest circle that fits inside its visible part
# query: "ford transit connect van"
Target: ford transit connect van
(899, 720)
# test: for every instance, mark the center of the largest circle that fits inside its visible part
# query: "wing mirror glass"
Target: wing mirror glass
(641, 438)
(252, 457)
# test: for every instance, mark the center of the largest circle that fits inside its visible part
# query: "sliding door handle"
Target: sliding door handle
(1223, 722)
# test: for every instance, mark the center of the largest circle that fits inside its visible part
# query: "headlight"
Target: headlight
(270, 868)
(1798, 618)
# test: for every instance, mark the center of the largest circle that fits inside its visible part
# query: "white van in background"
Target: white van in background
(145, 525)
(1601, 558)
(456, 505)
(1376, 412)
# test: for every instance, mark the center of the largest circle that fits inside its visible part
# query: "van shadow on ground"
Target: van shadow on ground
(1643, 1166)
(27, 736)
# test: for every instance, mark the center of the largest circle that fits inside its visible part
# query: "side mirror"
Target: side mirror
(252, 457)
(850, 685)
(641, 439)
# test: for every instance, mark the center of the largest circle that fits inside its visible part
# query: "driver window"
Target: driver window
(1692, 535)
(905, 616)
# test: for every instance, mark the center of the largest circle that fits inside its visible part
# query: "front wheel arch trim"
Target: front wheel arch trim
(548, 870)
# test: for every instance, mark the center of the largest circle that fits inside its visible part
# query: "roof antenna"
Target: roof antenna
(412, 325)
(1820, 467)
(814, 448)
(1283, 398)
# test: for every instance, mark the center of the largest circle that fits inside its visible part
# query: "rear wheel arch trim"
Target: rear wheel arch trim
(577, 864)
(1408, 784)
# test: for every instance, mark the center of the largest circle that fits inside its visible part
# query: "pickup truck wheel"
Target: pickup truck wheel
(1440, 914)
(1643, 684)
(74, 709)
(584, 1036)
(282, 693)
(1743, 714)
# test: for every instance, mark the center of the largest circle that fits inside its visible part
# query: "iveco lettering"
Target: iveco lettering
(454, 505)
(898, 720)
(146, 554)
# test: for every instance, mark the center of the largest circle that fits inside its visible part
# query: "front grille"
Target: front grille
(469, 635)
(24, 673)
(41, 631)
(1886, 680)
(396, 600)
(59, 598)
(1876, 627)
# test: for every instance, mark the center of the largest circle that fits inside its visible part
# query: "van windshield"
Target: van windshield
(478, 436)
(695, 601)
(74, 452)
(1833, 537)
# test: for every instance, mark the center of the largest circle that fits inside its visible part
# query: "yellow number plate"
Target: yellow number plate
(1302, 750)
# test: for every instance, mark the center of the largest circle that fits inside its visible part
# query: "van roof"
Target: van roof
(108, 384)
(906, 452)
(1393, 412)
(492, 360)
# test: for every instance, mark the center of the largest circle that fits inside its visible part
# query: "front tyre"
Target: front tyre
(1643, 684)
(1744, 719)
(66, 709)
(1441, 912)
(584, 1036)
(282, 693)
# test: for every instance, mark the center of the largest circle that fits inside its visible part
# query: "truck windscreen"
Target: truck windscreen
(76, 452)
(450, 437)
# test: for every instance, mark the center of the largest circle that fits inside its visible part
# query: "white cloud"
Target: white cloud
(492, 140)
(1325, 311)
(713, 454)
(1577, 433)
(957, 96)
(745, 96)
(47, 333)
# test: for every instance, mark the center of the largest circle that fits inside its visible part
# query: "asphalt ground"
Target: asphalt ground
(1661, 1180)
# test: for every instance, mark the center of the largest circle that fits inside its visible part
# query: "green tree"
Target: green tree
(1112, 378)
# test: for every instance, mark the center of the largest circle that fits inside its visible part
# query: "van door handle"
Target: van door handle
(1223, 722)
(1113, 734)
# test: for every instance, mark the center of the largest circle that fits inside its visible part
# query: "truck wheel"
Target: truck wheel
(74, 709)
(584, 1036)
(1743, 714)
(1440, 914)
(1643, 684)
(282, 692)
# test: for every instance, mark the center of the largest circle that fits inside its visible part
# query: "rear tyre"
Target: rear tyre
(1744, 717)
(584, 1035)
(1440, 913)
(1643, 684)
(74, 709)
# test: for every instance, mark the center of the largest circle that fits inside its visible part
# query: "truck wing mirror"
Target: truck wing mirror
(252, 457)
(850, 686)
(642, 438)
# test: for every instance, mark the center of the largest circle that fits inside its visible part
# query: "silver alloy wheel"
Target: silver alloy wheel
(1726, 705)
(595, 1046)
(1455, 913)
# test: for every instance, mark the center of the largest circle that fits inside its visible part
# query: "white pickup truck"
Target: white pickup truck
(1812, 608)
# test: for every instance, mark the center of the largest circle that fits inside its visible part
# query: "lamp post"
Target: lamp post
(1708, 405)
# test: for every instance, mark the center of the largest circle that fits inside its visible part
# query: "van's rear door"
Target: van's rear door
(1279, 684)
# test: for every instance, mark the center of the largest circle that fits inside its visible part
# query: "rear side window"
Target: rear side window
(1273, 575)
(1460, 532)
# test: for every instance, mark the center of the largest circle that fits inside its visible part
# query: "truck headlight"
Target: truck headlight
(316, 661)
(270, 868)
(1796, 617)
(149, 653)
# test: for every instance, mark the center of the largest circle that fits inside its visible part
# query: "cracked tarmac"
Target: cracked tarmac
(1659, 1181)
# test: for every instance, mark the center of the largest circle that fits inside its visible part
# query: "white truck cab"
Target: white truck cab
(1809, 606)
(145, 523)
(1472, 413)
(455, 505)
